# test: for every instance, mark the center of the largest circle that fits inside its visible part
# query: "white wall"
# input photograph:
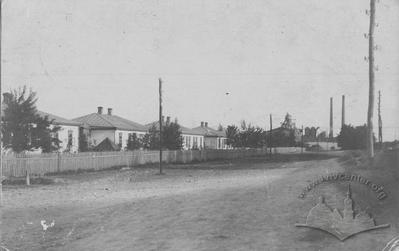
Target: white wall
(325, 145)
(188, 141)
(216, 143)
(97, 136)
(125, 136)
(222, 143)
(63, 137)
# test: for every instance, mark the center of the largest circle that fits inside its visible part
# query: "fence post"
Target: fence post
(175, 156)
(27, 177)
(58, 162)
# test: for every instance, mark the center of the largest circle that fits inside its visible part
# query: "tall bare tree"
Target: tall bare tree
(370, 136)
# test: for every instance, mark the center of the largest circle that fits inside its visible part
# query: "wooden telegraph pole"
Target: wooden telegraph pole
(160, 126)
(302, 139)
(270, 136)
(379, 120)
(370, 136)
(331, 133)
(1, 135)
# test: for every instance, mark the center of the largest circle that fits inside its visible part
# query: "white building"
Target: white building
(213, 139)
(68, 133)
(99, 126)
(192, 139)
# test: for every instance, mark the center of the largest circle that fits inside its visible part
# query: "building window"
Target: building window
(201, 146)
(70, 140)
(195, 142)
(120, 139)
(129, 138)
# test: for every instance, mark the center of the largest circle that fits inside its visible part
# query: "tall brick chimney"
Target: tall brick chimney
(206, 124)
(202, 123)
(100, 110)
(109, 111)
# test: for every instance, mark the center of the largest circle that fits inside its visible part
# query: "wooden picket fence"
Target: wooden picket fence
(40, 164)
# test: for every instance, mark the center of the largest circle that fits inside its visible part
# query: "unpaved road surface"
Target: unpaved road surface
(242, 205)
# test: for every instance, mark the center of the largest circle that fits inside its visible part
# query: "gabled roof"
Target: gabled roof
(56, 120)
(149, 125)
(106, 145)
(184, 130)
(210, 132)
(105, 121)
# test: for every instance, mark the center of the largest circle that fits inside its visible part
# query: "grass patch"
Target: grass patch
(14, 181)
(91, 170)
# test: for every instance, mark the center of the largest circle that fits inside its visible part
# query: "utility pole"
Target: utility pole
(331, 134)
(160, 126)
(1, 107)
(370, 136)
(379, 119)
(270, 136)
(302, 139)
(343, 112)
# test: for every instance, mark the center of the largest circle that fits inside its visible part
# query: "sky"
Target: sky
(271, 57)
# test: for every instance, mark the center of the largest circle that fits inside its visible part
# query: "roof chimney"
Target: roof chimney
(100, 110)
(202, 123)
(167, 119)
(109, 111)
(206, 124)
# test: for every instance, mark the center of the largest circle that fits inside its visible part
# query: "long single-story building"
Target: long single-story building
(213, 139)
(99, 126)
(192, 139)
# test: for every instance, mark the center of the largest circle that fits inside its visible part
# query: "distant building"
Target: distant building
(284, 137)
(192, 139)
(98, 126)
(213, 139)
(68, 133)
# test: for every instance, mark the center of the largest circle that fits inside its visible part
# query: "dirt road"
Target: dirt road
(243, 205)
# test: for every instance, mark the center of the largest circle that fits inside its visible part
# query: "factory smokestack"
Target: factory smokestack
(331, 135)
(343, 111)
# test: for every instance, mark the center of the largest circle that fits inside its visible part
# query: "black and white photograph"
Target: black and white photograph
(204, 125)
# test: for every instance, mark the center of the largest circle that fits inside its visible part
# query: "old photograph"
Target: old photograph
(199, 125)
